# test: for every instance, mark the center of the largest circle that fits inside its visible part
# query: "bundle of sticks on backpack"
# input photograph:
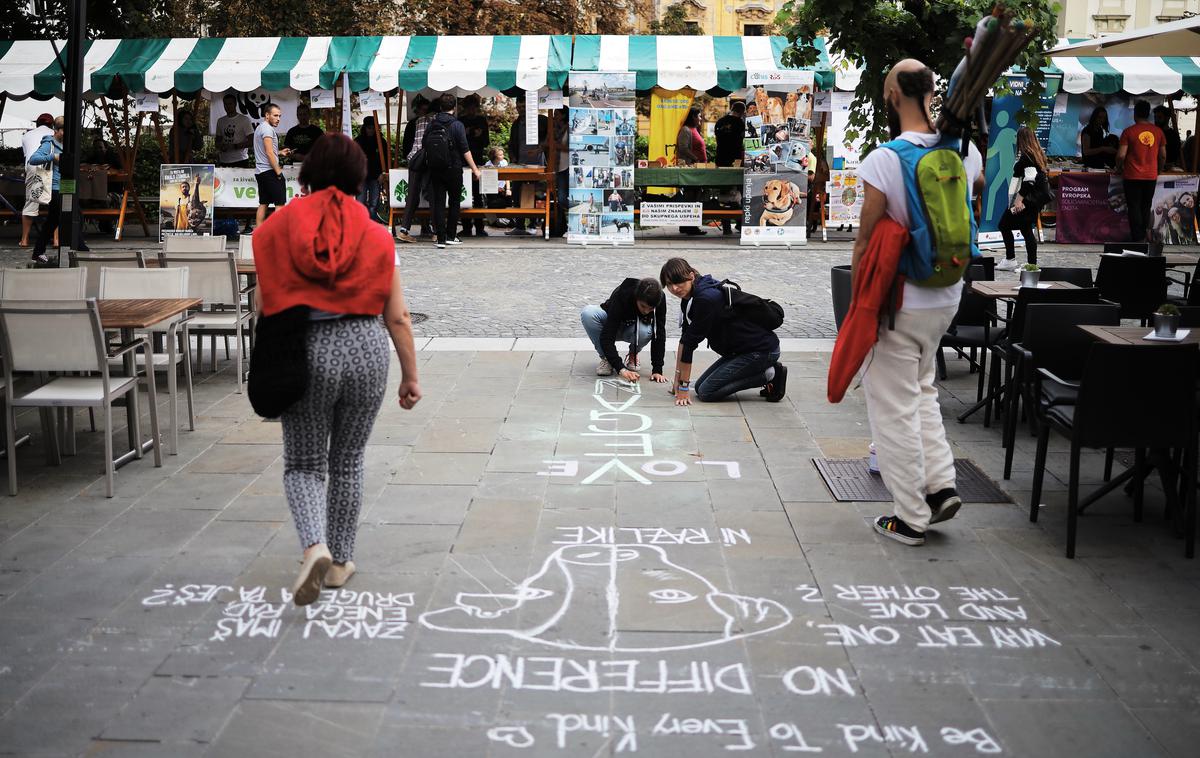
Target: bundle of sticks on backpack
(997, 42)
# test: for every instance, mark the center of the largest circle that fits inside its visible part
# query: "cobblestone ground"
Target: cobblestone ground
(529, 287)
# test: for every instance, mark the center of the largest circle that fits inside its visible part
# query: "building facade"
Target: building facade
(1093, 18)
(723, 17)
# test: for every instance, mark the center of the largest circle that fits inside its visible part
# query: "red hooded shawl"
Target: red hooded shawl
(323, 251)
(872, 288)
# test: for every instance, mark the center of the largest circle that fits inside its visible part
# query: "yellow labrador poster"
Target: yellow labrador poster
(185, 199)
(778, 151)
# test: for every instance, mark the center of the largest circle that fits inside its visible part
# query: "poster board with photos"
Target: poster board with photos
(602, 122)
(845, 197)
(185, 199)
(776, 158)
(1173, 210)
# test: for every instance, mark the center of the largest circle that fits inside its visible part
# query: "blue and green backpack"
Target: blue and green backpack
(941, 221)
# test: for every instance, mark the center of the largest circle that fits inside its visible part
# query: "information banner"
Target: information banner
(185, 199)
(1173, 212)
(603, 127)
(671, 214)
(398, 189)
(845, 197)
(236, 187)
(322, 98)
(1091, 209)
(776, 159)
(489, 181)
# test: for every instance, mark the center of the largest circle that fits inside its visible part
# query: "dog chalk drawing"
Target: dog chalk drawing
(573, 602)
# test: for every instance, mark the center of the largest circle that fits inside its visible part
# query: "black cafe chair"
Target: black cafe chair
(1189, 316)
(1191, 295)
(839, 285)
(1014, 329)
(1138, 284)
(1080, 277)
(971, 329)
(1052, 340)
(1129, 396)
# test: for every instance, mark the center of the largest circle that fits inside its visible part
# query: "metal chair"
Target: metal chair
(1129, 396)
(131, 284)
(213, 278)
(93, 262)
(246, 247)
(65, 336)
(194, 243)
(44, 284)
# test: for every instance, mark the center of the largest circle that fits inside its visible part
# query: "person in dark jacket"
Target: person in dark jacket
(1029, 174)
(749, 352)
(635, 312)
(445, 187)
(372, 144)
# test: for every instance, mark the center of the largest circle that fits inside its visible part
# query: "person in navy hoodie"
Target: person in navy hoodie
(749, 352)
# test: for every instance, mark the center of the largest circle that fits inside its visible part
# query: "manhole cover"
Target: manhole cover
(849, 481)
(417, 317)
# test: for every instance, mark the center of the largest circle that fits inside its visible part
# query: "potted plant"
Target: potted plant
(1030, 273)
(1166, 320)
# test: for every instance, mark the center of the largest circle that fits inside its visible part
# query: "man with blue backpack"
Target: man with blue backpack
(921, 182)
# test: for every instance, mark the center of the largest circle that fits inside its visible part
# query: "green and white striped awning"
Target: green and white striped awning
(30, 68)
(460, 65)
(1086, 68)
(717, 64)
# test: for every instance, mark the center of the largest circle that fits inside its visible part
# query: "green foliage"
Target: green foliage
(674, 21)
(1031, 267)
(641, 147)
(1168, 309)
(878, 33)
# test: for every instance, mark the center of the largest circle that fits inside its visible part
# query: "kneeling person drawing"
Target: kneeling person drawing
(635, 312)
(749, 351)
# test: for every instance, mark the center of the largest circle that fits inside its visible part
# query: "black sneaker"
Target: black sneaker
(893, 527)
(944, 504)
(777, 387)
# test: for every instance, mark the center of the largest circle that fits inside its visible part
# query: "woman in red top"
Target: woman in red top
(323, 251)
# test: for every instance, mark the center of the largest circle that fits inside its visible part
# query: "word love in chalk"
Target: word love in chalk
(626, 434)
(251, 612)
(736, 734)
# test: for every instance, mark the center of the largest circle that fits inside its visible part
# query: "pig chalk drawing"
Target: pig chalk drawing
(573, 602)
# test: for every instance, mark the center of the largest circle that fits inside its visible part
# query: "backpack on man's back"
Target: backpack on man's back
(436, 146)
(941, 221)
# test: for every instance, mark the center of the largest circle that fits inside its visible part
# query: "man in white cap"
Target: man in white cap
(30, 142)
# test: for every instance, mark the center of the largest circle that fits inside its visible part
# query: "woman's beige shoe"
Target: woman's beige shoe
(312, 575)
(339, 574)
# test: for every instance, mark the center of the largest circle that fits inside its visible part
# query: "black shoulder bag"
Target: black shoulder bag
(279, 361)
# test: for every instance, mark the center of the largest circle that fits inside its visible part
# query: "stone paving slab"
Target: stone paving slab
(525, 588)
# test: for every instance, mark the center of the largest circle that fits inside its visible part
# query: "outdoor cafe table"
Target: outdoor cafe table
(1007, 290)
(128, 316)
(1180, 260)
(1136, 335)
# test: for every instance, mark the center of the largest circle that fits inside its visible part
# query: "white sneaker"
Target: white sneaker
(604, 368)
(440, 245)
(455, 241)
(1008, 264)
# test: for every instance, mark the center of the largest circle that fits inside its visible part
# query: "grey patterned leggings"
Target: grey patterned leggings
(327, 431)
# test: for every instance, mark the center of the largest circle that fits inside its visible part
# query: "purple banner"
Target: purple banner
(1091, 209)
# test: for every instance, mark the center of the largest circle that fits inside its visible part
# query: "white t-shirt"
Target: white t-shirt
(230, 131)
(881, 169)
(32, 140)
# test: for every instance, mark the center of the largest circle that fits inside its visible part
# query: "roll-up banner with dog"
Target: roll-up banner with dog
(776, 158)
(185, 199)
(603, 127)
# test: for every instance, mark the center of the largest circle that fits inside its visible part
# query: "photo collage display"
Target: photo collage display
(777, 157)
(603, 126)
